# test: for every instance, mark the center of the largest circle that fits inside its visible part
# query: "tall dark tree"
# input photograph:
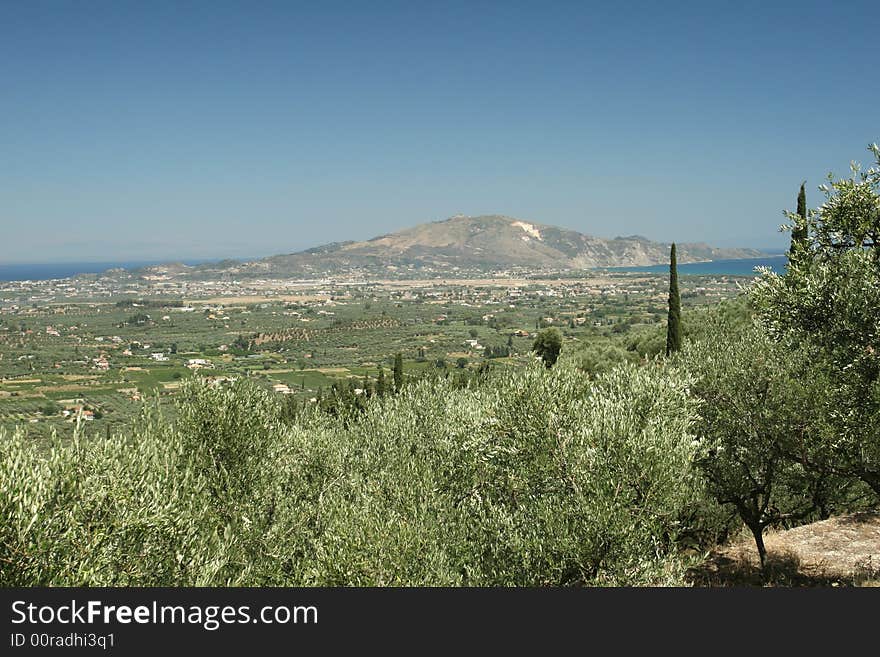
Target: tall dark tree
(380, 382)
(673, 324)
(799, 233)
(398, 372)
(802, 201)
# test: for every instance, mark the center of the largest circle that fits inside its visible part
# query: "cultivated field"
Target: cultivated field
(108, 347)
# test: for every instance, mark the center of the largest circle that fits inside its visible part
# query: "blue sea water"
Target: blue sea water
(744, 267)
(45, 272)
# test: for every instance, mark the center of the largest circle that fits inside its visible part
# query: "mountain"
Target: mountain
(483, 243)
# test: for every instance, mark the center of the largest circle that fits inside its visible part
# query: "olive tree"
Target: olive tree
(548, 344)
(754, 409)
(828, 302)
(535, 477)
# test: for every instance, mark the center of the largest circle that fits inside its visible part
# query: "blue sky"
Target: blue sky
(212, 129)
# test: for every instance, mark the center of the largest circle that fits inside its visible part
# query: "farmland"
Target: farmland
(100, 347)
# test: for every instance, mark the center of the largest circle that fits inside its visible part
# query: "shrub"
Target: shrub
(535, 477)
(106, 512)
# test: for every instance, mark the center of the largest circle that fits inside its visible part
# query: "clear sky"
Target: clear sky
(212, 129)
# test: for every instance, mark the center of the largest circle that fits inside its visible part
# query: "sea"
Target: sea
(45, 272)
(742, 267)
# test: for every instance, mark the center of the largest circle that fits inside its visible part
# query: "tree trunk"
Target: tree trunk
(758, 533)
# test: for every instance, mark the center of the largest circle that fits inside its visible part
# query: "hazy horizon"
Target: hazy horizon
(201, 132)
(192, 260)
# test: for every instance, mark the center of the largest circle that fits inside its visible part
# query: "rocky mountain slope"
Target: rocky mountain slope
(488, 243)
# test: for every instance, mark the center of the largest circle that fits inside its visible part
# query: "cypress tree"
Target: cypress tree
(398, 372)
(673, 324)
(799, 232)
(802, 202)
(380, 382)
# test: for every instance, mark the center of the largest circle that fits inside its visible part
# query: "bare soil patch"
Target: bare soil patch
(840, 551)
